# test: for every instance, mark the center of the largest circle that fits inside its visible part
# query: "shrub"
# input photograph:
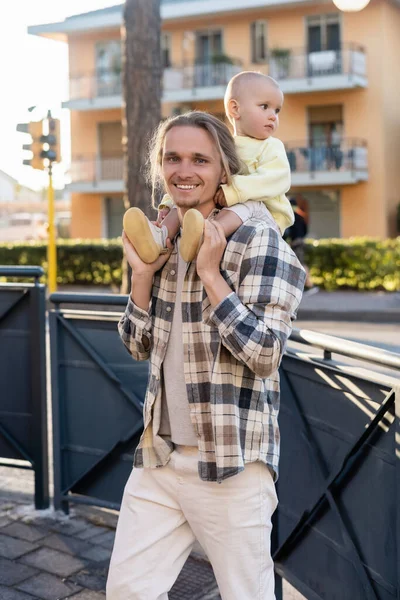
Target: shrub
(79, 262)
(355, 263)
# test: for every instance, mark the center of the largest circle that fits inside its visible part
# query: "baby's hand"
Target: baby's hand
(219, 198)
(162, 214)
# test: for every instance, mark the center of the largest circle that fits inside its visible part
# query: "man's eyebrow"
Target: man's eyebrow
(170, 153)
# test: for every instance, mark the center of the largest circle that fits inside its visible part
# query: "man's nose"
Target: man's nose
(185, 170)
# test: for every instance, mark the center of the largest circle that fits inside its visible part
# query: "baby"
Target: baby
(253, 102)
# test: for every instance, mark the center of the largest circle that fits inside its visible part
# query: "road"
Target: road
(379, 335)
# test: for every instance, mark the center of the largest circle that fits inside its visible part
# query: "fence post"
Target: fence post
(59, 502)
(39, 396)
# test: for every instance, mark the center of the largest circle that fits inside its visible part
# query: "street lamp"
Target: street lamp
(351, 5)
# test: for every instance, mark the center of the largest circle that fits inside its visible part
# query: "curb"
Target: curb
(365, 316)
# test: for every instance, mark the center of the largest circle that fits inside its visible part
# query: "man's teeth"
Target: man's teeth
(186, 187)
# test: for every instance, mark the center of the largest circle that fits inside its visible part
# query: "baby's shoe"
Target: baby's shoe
(192, 234)
(148, 240)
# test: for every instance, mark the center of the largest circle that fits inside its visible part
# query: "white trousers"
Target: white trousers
(164, 510)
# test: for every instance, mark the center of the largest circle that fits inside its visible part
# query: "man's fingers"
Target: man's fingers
(220, 231)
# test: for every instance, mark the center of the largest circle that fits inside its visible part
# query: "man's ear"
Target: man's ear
(233, 109)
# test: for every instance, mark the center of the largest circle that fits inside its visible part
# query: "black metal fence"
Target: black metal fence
(23, 412)
(337, 528)
(98, 394)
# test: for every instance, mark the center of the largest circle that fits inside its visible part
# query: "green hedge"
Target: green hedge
(355, 263)
(79, 262)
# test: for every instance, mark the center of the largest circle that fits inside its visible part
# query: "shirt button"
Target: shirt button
(172, 272)
(169, 309)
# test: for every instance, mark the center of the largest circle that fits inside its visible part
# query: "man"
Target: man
(214, 331)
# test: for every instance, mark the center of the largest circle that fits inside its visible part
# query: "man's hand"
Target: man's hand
(211, 251)
(219, 198)
(139, 268)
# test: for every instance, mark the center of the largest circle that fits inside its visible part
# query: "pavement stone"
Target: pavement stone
(53, 561)
(94, 577)
(48, 587)
(12, 594)
(91, 531)
(88, 595)
(196, 581)
(24, 532)
(12, 572)
(12, 548)
(70, 527)
(105, 539)
(96, 553)
(4, 520)
(66, 543)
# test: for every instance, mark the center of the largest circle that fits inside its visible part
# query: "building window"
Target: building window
(325, 125)
(166, 50)
(108, 68)
(258, 32)
(209, 46)
(323, 32)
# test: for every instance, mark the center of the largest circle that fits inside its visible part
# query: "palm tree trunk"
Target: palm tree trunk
(142, 100)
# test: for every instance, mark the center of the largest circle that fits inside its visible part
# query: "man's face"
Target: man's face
(259, 108)
(191, 167)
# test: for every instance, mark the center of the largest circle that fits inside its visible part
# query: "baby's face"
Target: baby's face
(259, 106)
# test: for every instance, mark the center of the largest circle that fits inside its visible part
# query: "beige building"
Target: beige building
(340, 122)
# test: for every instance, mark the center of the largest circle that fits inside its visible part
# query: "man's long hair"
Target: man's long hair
(217, 130)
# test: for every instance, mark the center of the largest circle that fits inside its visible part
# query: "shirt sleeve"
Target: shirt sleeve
(134, 328)
(255, 323)
(271, 178)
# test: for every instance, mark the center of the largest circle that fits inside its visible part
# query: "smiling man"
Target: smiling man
(214, 331)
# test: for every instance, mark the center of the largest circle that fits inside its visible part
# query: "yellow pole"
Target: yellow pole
(51, 247)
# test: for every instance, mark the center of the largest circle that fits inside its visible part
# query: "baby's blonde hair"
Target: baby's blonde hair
(237, 85)
(216, 128)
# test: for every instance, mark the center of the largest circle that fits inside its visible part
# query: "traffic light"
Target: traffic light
(43, 146)
(53, 152)
(35, 130)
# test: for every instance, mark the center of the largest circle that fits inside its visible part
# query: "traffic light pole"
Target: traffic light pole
(51, 247)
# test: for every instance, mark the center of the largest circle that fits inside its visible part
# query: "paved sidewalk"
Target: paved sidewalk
(49, 556)
(374, 307)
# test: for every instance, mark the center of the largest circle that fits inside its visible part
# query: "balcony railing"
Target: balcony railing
(288, 66)
(97, 85)
(200, 75)
(285, 64)
(183, 77)
(91, 172)
(343, 162)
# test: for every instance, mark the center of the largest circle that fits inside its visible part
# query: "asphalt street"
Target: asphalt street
(386, 336)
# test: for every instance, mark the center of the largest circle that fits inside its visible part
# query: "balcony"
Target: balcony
(299, 71)
(340, 164)
(95, 91)
(183, 83)
(188, 83)
(96, 174)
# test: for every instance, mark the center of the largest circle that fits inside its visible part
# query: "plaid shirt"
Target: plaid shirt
(232, 352)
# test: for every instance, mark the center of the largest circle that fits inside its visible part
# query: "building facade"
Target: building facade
(340, 123)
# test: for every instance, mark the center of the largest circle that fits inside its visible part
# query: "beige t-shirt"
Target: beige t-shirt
(175, 414)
